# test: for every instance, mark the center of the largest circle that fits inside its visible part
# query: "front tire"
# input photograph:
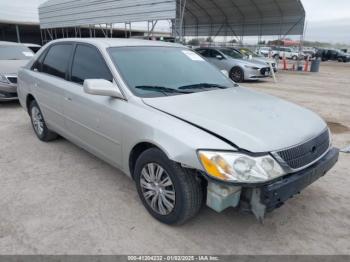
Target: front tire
(237, 75)
(38, 123)
(171, 194)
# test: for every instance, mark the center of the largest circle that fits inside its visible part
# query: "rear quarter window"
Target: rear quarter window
(57, 60)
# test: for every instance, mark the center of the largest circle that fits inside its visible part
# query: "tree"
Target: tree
(194, 42)
(209, 39)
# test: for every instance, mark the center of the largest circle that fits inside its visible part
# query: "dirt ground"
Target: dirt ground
(58, 199)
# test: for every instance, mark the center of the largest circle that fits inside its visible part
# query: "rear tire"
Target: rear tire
(39, 125)
(237, 74)
(158, 178)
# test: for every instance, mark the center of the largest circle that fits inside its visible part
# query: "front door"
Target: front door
(94, 122)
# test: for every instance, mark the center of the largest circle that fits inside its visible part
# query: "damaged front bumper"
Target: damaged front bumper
(263, 198)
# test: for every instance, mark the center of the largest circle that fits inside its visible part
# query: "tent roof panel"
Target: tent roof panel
(238, 17)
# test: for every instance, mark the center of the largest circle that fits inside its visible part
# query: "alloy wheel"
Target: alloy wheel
(236, 75)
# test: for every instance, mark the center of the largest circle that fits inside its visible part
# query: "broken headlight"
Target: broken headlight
(240, 168)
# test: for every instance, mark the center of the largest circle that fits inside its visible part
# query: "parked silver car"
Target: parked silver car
(12, 57)
(238, 67)
(175, 124)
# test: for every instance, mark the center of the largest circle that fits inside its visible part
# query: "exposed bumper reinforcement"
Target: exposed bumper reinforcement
(271, 196)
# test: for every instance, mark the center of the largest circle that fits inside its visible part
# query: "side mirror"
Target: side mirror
(220, 57)
(101, 87)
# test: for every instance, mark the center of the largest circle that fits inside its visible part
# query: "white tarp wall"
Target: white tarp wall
(65, 13)
(190, 17)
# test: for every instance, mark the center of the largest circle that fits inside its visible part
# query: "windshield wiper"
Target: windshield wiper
(203, 86)
(162, 89)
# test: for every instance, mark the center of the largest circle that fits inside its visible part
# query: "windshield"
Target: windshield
(8, 52)
(232, 53)
(165, 71)
(249, 52)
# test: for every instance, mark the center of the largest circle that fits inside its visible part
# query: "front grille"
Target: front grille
(304, 154)
(264, 70)
(12, 79)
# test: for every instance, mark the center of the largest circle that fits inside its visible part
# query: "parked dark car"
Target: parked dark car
(333, 54)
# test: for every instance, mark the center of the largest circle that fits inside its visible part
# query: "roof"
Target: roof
(6, 43)
(118, 42)
(66, 13)
(244, 17)
(201, 17)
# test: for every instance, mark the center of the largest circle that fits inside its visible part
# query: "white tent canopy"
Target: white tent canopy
(243, 17)
(190, 17)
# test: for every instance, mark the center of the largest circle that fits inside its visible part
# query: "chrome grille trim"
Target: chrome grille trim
(293, 159)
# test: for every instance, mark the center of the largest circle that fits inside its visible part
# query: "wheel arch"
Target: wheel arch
(29, 99)
(137, 150)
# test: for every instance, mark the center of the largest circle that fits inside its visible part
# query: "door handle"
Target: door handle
(68, 98)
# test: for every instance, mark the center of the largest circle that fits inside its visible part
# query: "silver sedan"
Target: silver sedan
(235, 63)
(183, 131)
(12, 57)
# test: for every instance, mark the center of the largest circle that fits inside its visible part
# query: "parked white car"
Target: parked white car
(264, 50)
(287, 52)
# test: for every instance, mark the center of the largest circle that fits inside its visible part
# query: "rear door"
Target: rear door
(92, 121)
(50, 73)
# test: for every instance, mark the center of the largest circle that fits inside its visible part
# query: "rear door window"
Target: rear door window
(204, 52)
(88, 63)
(57, 60)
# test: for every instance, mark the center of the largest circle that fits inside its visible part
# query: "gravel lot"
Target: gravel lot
(58, 199)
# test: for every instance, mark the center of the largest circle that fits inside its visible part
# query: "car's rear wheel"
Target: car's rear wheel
(294, 57)
(237, 74)
(170, 193)
(38, 123)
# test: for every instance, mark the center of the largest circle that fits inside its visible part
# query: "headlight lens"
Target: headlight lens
(3, 79)
(252, 67)
(240, 168)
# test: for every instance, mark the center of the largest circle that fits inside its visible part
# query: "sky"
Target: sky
(327, 20)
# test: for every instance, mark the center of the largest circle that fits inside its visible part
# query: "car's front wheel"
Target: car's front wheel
(170, 193)
(38, 123)
(237, 74)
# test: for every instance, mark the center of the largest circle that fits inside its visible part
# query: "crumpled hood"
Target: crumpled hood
(11, 66)
(253, 121)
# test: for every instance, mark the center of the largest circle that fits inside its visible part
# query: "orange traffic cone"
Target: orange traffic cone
(284, 63)
(306, 69)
